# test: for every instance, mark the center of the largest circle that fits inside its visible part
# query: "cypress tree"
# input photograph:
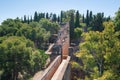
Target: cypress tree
(42, 15)
(61, 16)
(83, 18)
(39, 16)
(98, 22)
(87, 18)
(47, 16)
(71, 23)
(77, 22)
(58, 19)
(51, 14)
(31, 19)
(91, 16)
(22, 20)
(54, 18)
(28, 21)
(35, 16)
(25, 20)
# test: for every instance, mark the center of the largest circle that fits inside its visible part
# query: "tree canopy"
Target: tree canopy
(16, 54)
(100, 52)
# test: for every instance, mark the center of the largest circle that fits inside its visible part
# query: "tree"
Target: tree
(18, 55)
(39, 16)
(91, 16)
(35, 16)
(77, 35)
(49, 26)
(71, 23)
(112, 57)
(31, 19)
(61, 16)
(117, 20)
(87, 18)
(25, 19)
(34, 32)
(103, 47)
(54, 18)
(15, 53)
(83, 18)
(47, 16)
(28, 20)
(97, 23)
(10, 27)
(77, 22)
(58, 19)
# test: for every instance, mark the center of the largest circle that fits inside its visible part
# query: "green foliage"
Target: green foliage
(54, 18)
(83, 18)
(15, 55)
(77, 22)
(61, 16)
(117, 20)
(49, 26)
(89, 63)
(35, 33)
(100, 51)
(10, 27)
(32, 31)
(39, 16)
(109, 75)
(75, 65)
(66, 15)
(25, 19)
(87, 18)
(97, 22)
(18, 55)
(36, 16)
(77, 33)
(47, 16)
(39, 60)
(71, 23)
(58, 19)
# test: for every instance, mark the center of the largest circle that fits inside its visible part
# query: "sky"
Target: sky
(19, 8)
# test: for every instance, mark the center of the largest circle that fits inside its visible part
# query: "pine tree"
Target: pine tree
(77, 22)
